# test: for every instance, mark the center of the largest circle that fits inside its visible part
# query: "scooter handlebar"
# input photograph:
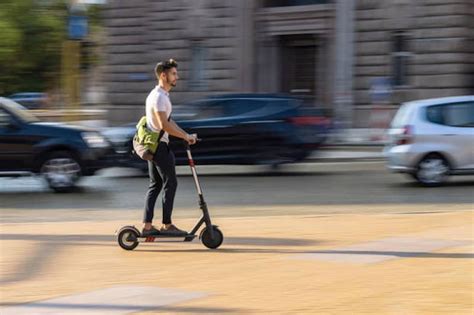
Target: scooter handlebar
(186, 144)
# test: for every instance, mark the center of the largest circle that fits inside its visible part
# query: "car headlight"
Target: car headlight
(94, 140)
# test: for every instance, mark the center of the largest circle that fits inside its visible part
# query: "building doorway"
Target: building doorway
(298, 66)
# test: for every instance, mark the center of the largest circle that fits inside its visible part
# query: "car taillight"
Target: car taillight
(309, 120)
(406, 136)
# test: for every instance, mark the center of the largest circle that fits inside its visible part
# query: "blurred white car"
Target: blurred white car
(432, 139)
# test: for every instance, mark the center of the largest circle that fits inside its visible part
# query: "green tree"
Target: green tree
(32, 32)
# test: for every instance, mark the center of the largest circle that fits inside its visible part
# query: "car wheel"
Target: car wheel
(432, 170)
(61, 170)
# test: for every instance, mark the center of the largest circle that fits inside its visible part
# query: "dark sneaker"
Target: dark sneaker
(150, 232)
(172, 230)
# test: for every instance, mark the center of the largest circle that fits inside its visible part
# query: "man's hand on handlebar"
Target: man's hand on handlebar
(191, 139)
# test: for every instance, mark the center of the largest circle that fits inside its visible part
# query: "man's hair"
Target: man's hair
(164, 66)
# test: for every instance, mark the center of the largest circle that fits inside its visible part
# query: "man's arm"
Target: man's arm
(176, 125)
(173, 129)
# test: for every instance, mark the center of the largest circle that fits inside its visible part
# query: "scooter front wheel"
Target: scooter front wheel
(208, 241)
(127, 239)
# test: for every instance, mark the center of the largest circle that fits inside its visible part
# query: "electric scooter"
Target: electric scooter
(129, 236)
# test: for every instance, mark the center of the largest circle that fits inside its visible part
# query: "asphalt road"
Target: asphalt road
(233, 191)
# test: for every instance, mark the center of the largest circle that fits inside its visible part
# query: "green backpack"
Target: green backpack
(145, 141)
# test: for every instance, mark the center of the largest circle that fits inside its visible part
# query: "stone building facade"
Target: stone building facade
(344, 55)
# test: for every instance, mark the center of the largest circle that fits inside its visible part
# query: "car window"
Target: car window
(221, 108)
(5, 119)
(211, 110)
(184, 112)
(197, 110)
(19, 111)
(242, 106)
(434, 114)
(456, 115)
(459, 115)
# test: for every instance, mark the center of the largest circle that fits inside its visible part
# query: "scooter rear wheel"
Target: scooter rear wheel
(212, 243)
(127, 239)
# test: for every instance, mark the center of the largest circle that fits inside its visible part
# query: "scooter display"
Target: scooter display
(129, 236)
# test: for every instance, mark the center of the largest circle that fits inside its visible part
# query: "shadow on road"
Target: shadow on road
(50, 245)
(89, 239)
(290, 251)
(124, 307)
(447, 185)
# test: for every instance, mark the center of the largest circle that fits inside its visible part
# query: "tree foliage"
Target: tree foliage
(32, 32)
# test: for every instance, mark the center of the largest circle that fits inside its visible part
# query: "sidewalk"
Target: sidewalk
(358, 137)
(348, 153)
(330, 264)
(352, 144)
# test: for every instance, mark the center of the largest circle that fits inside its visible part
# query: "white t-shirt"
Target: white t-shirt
(157, 101)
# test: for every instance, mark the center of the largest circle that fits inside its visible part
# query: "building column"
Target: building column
(344, 49)
(245, 46)
(268, 67)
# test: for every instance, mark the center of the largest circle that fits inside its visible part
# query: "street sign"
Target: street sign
(77, 27)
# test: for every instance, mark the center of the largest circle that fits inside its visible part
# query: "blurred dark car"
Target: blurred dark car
(238, 129)
(30, 100)
(61, 153)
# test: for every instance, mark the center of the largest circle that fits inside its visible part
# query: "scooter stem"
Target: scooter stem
(193, 170)
(202, 204)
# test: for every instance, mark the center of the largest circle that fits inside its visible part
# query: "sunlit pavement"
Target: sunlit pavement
(404, 262)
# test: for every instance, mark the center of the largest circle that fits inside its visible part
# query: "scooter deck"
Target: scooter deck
(153, 238)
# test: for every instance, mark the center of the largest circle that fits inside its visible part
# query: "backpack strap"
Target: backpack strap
(162, 132)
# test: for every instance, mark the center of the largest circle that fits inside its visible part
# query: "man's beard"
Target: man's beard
(173, 84)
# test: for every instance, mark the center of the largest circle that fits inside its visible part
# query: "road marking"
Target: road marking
(384, 249)
(116, 300)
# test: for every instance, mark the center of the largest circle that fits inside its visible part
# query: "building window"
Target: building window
(197, 68)
(400, 59)
(287, 3)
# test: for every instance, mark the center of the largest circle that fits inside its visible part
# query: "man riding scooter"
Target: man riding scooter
(161, 168)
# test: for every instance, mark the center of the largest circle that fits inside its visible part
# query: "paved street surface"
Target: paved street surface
(315, 238)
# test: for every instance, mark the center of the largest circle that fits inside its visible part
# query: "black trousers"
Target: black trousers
(162, 173)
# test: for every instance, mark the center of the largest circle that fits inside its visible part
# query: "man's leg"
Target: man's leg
(154, 189)
(167, 170)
